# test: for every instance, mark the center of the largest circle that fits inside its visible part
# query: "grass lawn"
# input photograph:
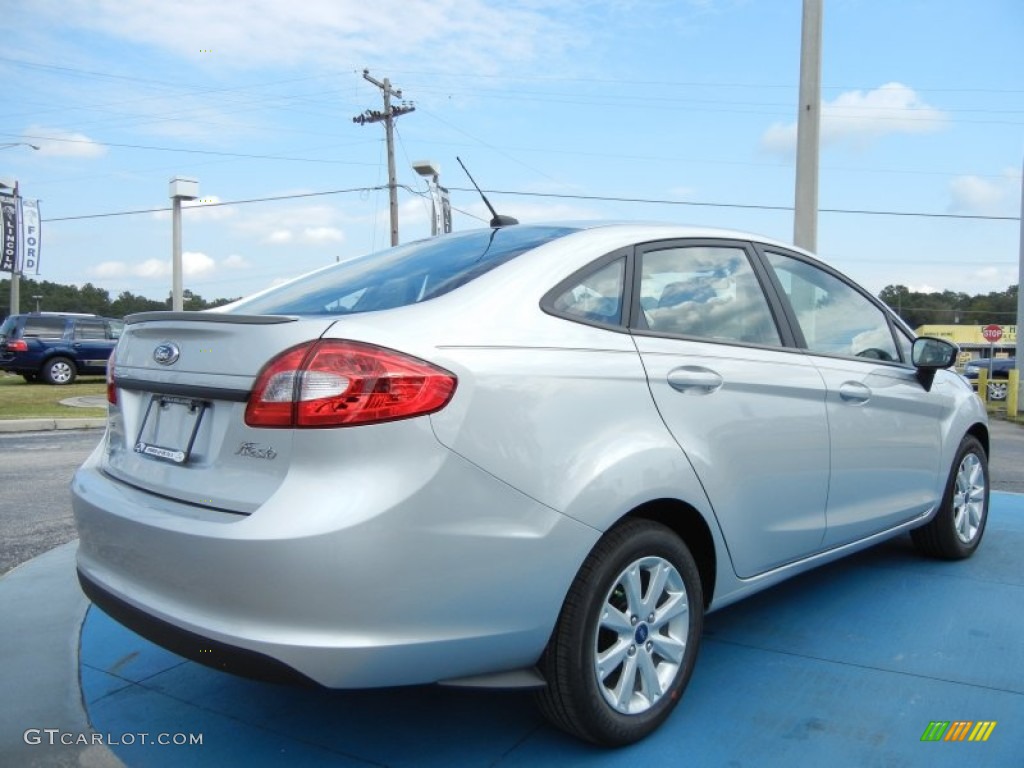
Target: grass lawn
(21, 400)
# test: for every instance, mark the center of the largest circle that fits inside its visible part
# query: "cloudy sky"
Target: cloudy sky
(583, 108)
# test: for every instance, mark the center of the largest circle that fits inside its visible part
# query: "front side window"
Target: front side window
(705, 291)
(835, 318)
(595, 298)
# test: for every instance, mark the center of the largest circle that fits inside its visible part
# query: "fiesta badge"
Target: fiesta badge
(167, 353)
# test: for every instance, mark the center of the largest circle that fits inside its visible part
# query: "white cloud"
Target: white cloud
(318, 235)
(234, 261)
(193, 263)
(985, 196)
(54, 142)
(279, 236)
(110, 269)
(857, 118)
(460, 35)
(197, 263)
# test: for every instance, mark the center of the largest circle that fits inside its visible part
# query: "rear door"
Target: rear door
(748, 412)
(886, 429)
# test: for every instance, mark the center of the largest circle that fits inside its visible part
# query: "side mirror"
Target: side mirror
(930, 355)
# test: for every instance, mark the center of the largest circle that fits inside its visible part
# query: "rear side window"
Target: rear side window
(403, 275)
(44, 327)
(596, 298)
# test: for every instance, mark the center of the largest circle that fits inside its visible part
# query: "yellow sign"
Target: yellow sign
(968, 334)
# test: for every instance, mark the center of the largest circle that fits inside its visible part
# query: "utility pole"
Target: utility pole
(388, 118)
(1019, 353)
(808, 129)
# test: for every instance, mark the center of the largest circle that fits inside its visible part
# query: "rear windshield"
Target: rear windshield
(400, 276)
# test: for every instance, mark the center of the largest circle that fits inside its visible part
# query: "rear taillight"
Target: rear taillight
(17, 346)
(111, 384)
(332, 383)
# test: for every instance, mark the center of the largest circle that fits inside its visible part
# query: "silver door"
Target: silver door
(885, 428)
(749, 415)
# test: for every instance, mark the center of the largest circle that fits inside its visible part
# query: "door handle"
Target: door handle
(854, 393)
(694, 380)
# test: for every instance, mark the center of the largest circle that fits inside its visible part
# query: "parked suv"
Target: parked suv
(999, 371)
(57, 346)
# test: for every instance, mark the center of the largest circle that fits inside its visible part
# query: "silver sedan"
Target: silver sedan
(517, 456)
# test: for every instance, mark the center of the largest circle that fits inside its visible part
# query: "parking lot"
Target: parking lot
(845, 665)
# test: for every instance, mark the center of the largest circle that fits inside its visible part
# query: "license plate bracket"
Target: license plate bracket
(169, 428)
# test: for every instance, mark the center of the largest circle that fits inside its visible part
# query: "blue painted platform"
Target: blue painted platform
(844, 666)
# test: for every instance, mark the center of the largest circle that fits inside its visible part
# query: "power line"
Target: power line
(218, 205)
(751, 206)
(190, 151)
(562, 196)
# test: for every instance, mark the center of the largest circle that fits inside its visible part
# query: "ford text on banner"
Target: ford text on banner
(9, 241)
(31, 235)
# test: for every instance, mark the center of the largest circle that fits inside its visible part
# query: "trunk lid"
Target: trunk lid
(178, 428)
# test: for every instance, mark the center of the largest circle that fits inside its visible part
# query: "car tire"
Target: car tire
(30, 378)
(997, 390)
(627, 637)
(58, 370)
(956, 530)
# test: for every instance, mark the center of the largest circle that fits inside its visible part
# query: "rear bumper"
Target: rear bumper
(222, 656)
(348, 587)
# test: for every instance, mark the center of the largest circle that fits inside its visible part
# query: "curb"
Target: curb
(45, 425)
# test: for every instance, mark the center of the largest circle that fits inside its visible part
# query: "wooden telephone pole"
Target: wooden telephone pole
(388, 118)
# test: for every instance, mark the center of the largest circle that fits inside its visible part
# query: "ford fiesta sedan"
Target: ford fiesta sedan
(518, 456)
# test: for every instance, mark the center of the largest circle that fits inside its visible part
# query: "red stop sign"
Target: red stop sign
(992, 333)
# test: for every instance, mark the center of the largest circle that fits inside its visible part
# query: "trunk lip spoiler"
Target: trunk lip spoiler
(207, 317)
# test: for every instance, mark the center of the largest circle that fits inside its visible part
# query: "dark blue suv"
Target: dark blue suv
(56, 346)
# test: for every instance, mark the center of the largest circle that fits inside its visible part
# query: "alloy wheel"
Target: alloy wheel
(641, 635)
(969, 498)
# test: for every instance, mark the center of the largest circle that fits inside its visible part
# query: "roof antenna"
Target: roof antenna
(498, 220)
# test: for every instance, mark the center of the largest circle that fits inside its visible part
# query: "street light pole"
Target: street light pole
(181, 189)
(1020, 289)
(808, 130)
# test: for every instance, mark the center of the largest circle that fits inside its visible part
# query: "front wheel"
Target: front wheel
(626, 640)
(997, 390)
(956, 530)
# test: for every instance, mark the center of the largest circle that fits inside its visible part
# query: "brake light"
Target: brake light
(111, 384)
(17, 346)
(334, 383)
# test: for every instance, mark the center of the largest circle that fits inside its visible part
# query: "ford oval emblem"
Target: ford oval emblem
(167, 353)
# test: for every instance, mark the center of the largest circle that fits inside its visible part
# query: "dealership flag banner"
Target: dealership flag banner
(9, 241)
(31, 235)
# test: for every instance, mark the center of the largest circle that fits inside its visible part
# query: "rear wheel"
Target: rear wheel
(626, 640)
(58, 370)
(956, 530)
